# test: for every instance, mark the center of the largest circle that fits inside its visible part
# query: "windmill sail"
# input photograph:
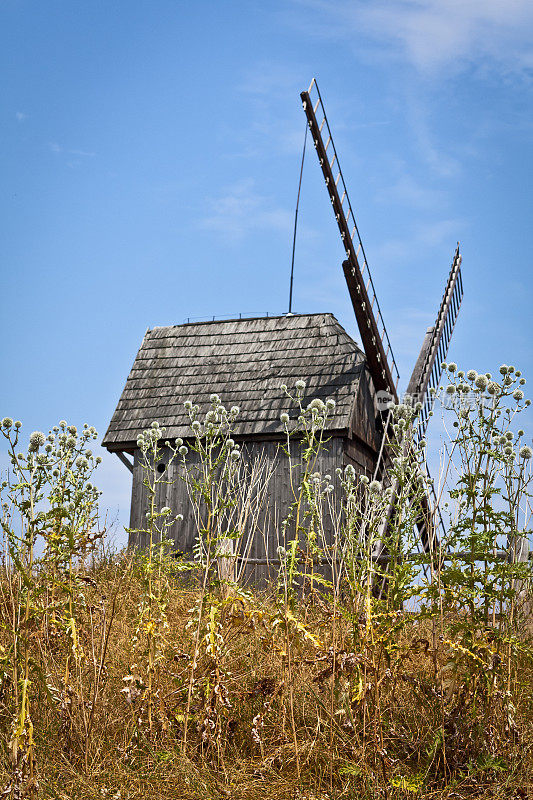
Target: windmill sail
(428, 368)
(374, 336)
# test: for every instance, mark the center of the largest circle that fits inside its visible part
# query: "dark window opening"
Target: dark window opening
(161, 467)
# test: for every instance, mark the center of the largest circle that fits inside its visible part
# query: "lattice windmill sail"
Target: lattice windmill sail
(376, 343)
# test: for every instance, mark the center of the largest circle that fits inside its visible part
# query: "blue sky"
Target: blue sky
(150, 157)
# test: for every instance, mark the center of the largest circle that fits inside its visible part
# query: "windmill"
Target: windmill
(376, 343)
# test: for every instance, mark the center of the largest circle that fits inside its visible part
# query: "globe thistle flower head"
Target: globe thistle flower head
(7, 423)
(471, 374)
(364, 480)
(418, 406)
(492, 388)
(522, 383)
(97, 460)
(235, 455)
(527, 403)
(349, 472)
(374, 487)
(504, 369)
(196, 426)
(211, 416)
(37, 439)
(188, 405)
(234, 411)
(316, 405)
(507, 380)
(511, 368)
(508, 450)
(165, 511)
(526, 452)
(283, 387)
(481, 382)
(183, 450)
(520, 433)
(284, 418)
(55, 473)
(82, 462)
(450, 389)
(460, 374)
(49, 448)
(452, 367)
(330, 404)
(444, 365)
(215, 399)
(300, 386)
(518, 394)
(230, 444)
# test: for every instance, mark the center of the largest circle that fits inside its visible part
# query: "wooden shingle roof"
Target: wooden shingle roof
(244, 361)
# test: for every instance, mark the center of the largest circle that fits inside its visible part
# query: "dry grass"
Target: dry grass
(318, 708)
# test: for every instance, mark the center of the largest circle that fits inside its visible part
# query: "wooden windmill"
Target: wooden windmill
(380, 359)
(246, 360)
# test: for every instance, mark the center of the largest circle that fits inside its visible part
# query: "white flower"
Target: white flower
(214, 398)
(374, 487)
(316, 405)
(196, 425)
(284, 419)
(452, 367)
(37, 438)
(300, 386)
(518, 394)
(188, 405)
(235, 454)
(526, 452)
(7, 422)
(492, 388)
(155, 424)
(330, 404)
(450, 389)
(235, 411)
(349, 473)
(283, 387)
(482, 382)
(183, 450)
(166, 511)
(471, 374)
(82, 462)
(504, 369)
(364, 479)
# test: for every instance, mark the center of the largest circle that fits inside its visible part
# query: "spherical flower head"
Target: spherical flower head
(97, 460)
(165, 511)
(183, 450)
(460, 374)
(349, 473)
(511, 368)
(300, 386)
(70, 443)
(471, 374)
(492, 388)
(418, 406)
(330, 404)
(508, 450)
(444, 365)
(522, 382)
(374, 487)
(527, 403)
(82, 462)
(504, 369)
(509, 436)
(283, 387)
(234, 411)
(284, 419)
(49, 448)
(211, 416)
(364, 480)
(482, 382)
(230, 444)
(215, 399)
(7, 423)
(450, 389)
(316, 405)
(37, 439)
(140, 441)
(196, 426)
(55, 473)
(452, 367)
(526, 452)
(518, 394)
(188, 405)
(18, 423)
(235, 455)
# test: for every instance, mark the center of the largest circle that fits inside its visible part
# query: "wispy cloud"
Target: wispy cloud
(20, 116)
(433, 35)
(242, 210)
(57, 148)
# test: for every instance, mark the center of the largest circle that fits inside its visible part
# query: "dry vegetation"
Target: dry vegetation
(140, 675)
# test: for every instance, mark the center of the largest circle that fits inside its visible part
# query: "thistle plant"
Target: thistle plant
(48, 497)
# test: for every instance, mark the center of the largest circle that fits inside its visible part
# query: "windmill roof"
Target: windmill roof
(244, 361)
